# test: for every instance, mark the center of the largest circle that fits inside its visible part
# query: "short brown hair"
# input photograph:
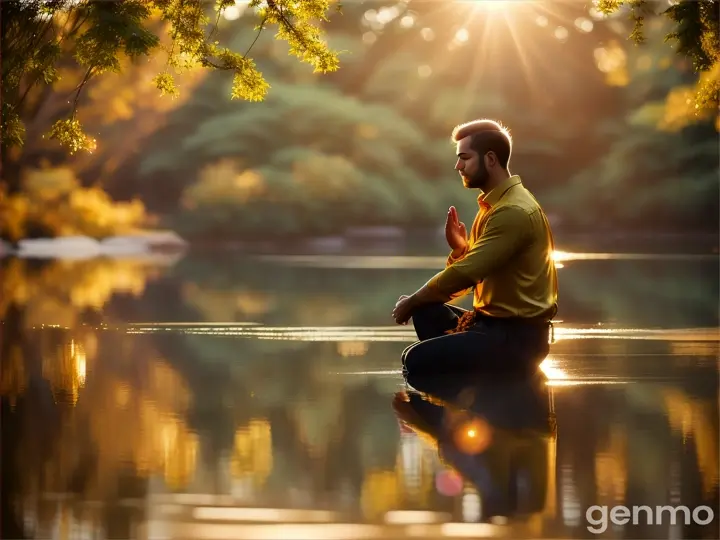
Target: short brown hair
(487, 135)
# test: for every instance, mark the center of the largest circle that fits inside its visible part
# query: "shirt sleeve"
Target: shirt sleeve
(506, 230)
(464, 290)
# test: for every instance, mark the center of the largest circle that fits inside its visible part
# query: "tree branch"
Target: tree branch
(88, 74)
(262, 26)
(288, 24)
(215, 26)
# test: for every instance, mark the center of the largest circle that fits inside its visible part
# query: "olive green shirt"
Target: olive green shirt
(509, 259)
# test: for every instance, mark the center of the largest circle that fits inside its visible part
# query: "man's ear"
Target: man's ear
(490, 159)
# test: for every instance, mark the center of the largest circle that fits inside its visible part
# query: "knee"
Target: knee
(404, 354)
(413, 359)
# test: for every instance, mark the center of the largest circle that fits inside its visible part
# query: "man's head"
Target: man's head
(483, 150)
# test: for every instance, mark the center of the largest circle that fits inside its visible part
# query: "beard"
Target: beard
(479, 180)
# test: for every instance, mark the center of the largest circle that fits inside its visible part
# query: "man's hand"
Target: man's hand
(403, 309)
(455, 232)
(407, 304)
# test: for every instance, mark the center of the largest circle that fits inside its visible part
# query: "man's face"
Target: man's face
(470, 165)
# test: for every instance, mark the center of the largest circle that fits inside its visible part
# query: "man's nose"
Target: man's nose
(459, 165)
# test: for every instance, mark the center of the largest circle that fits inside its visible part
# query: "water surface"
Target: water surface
(260, 397)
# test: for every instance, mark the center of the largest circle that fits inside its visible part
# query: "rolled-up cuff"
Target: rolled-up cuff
(451, 259)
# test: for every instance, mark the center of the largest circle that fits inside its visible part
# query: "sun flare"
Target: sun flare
(490, 5)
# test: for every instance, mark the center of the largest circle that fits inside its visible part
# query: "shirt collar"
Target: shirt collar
(491, 198)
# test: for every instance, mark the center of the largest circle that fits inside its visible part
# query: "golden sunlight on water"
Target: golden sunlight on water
(66, 370)
(611, 468)
(429, 262)
(252, 457)
(405, 333)
(693, 419)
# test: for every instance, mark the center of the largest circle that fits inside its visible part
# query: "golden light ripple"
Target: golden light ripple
(404, 333)
(426, 262)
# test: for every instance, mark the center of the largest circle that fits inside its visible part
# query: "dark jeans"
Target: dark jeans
(491, 345)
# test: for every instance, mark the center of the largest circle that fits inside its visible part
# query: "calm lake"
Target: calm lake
(239, 396)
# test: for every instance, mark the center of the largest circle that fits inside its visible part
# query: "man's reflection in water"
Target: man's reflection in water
(496, 432)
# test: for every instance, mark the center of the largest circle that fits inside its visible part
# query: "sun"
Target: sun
(491, 5)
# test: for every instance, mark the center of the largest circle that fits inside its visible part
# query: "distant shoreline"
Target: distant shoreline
(378, 241)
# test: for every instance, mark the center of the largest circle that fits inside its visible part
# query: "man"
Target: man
(507, 262)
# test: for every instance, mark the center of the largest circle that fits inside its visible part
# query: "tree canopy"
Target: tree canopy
(38, 37)
(41, 37)
(695, 35)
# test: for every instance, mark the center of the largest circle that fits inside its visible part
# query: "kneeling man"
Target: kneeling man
(506, 261)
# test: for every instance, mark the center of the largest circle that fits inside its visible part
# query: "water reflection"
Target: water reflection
(496, 439)
(257, 402)
(110, 432)
(69, 292)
